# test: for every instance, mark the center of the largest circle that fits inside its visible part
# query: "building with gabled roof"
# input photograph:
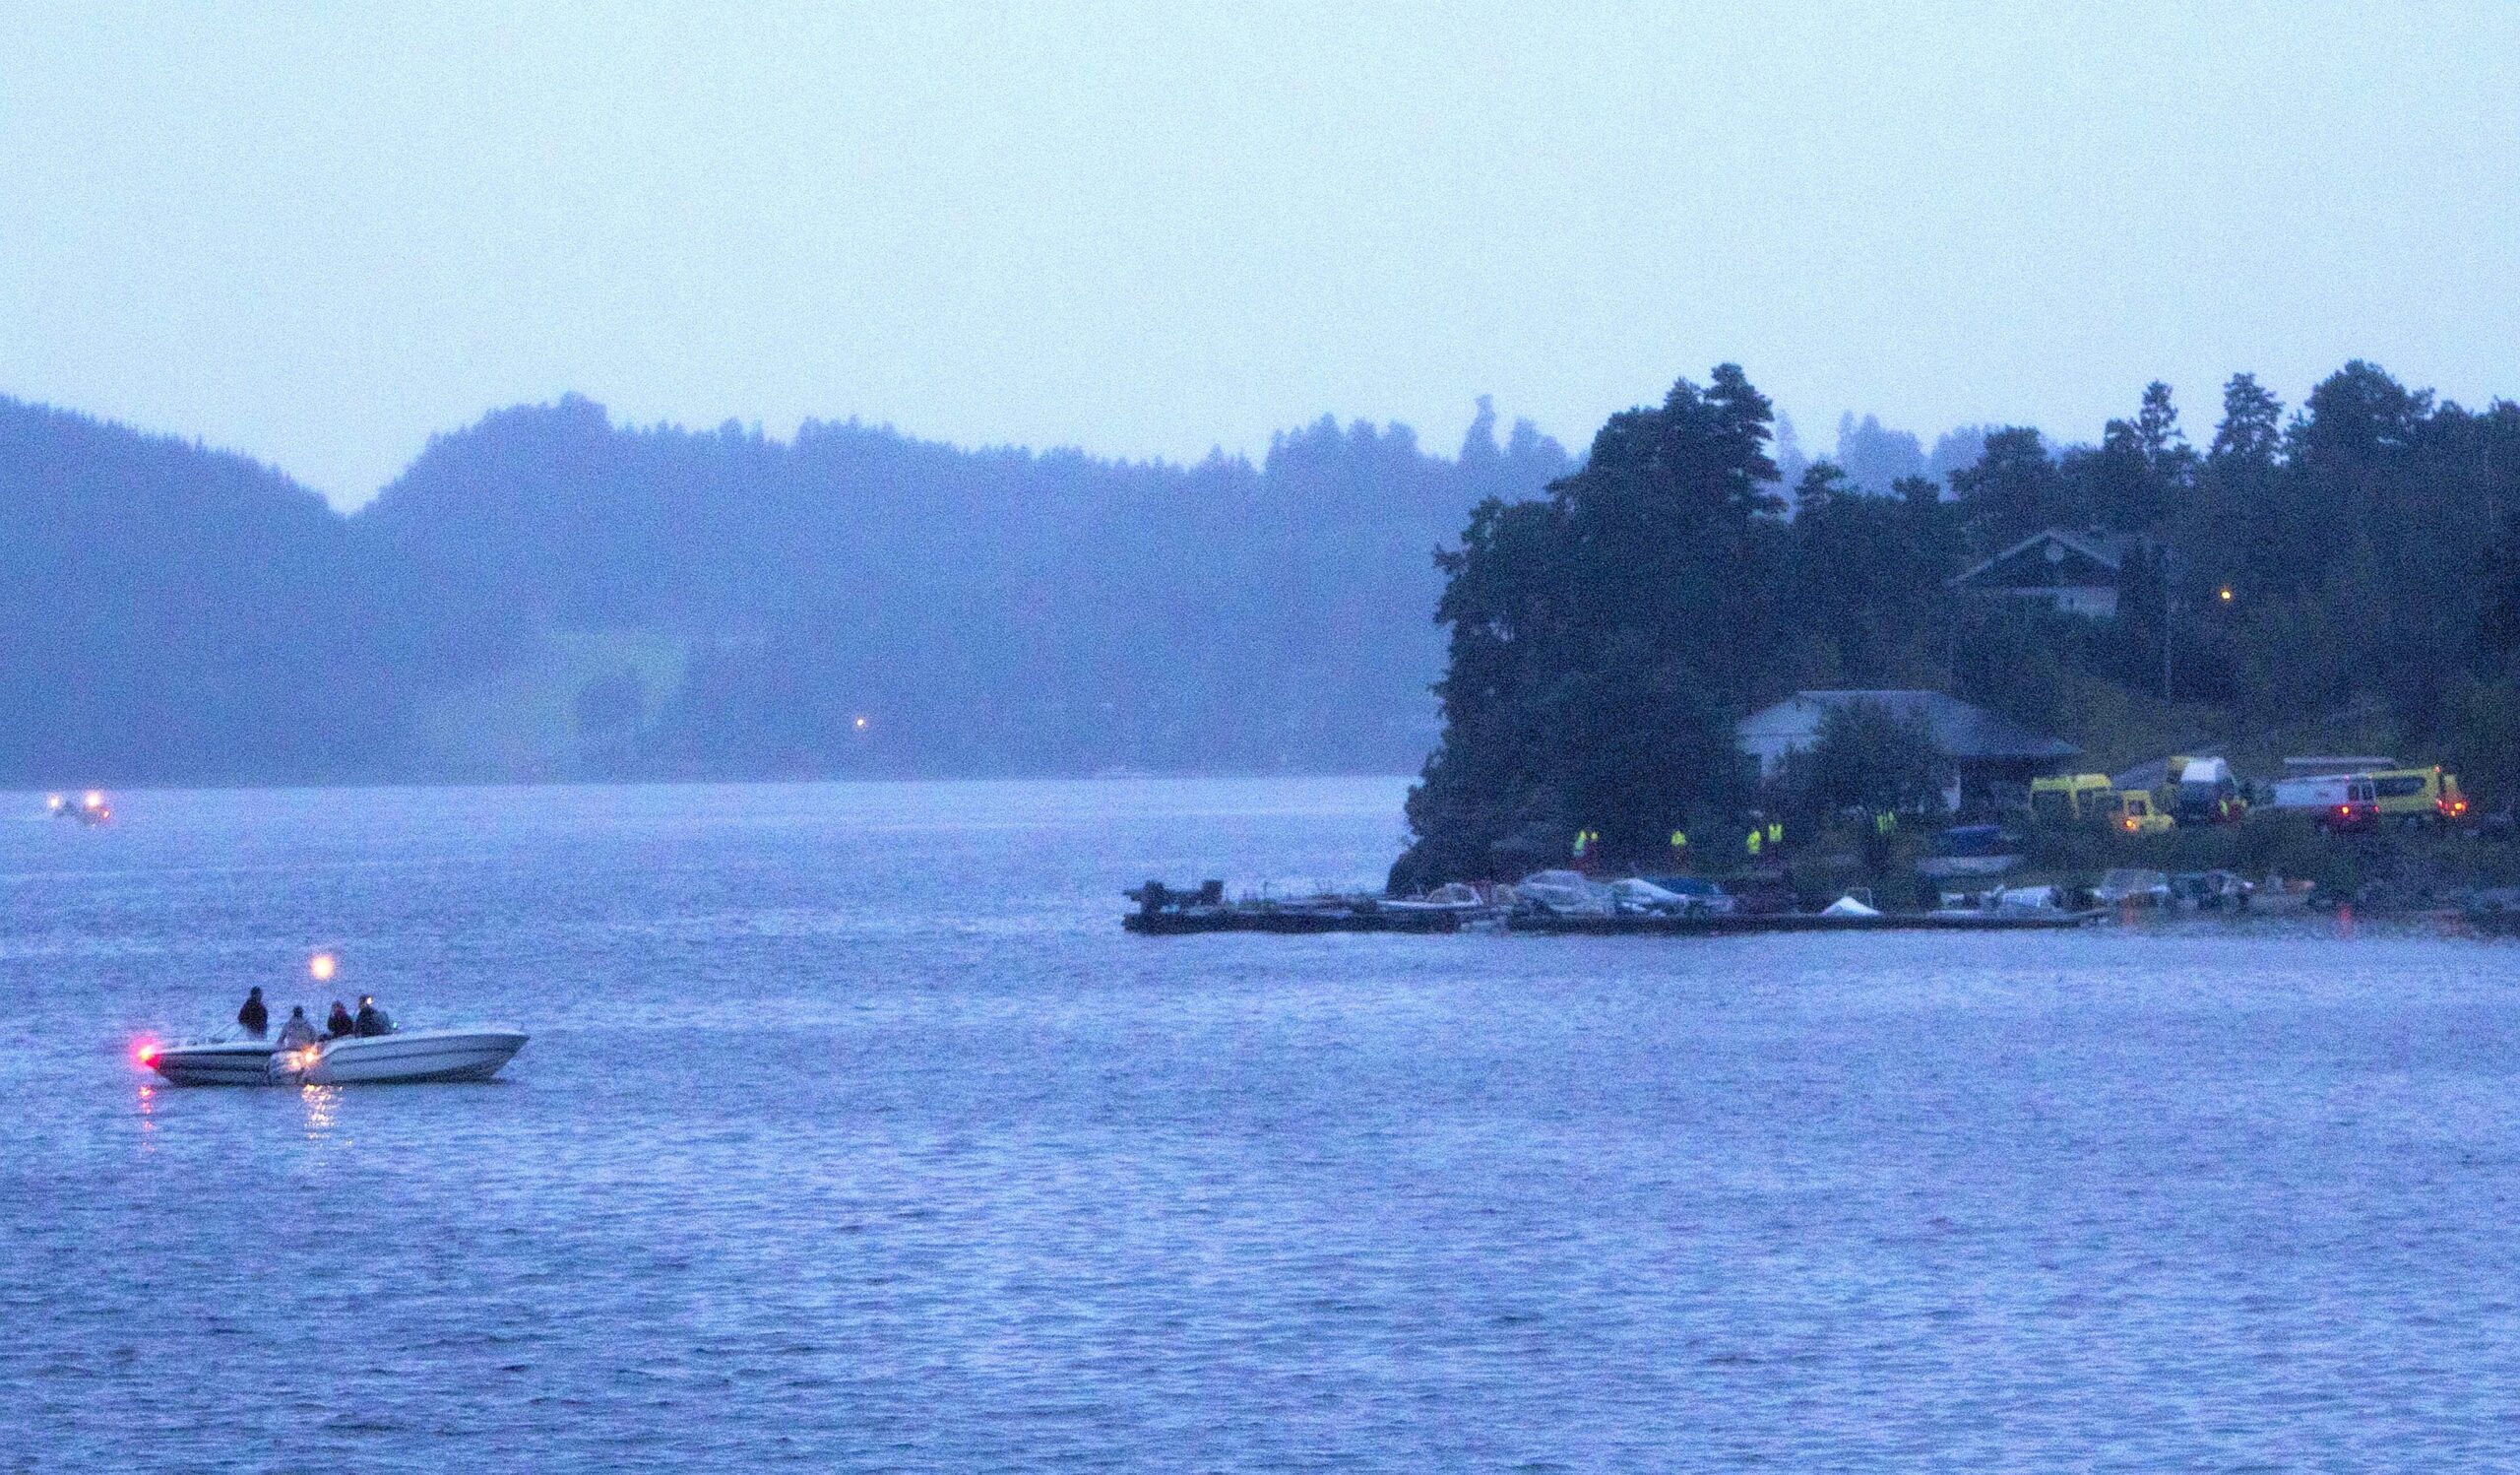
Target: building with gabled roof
(2075, 572)
(1989, 753)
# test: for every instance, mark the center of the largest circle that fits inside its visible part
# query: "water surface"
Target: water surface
(855, 1134)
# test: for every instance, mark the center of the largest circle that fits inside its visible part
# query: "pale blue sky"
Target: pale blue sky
(317, 234)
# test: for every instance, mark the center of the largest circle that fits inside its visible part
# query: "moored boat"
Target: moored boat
(403, 1057)
(223, 1060)
(407, 1056)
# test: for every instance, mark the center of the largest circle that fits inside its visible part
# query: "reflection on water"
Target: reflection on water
(322, 1105)
(147, 1115)
(852, 1104)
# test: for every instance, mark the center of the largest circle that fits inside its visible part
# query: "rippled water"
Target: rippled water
(855, 1134)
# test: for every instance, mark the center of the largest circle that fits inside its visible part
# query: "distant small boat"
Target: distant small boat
(91, 809)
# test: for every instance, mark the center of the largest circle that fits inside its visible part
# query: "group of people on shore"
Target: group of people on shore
(298, 1030)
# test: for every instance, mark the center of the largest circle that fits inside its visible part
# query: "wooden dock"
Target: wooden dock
(1262, 917)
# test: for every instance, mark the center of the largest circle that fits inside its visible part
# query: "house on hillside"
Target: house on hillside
(1993, 758)
(2075, 572)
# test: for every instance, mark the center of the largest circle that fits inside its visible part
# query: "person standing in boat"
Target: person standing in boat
(253, 1018)
(338, 1025)
(371, 1019)
(299, 1031)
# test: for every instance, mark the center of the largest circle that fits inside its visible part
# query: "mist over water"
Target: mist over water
(855, 1134)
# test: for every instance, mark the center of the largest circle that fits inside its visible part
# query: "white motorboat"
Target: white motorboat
(403, 1057)
(220, 1060)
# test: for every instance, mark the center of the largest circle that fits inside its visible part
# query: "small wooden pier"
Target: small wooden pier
(1164, 912)
(1302, 919)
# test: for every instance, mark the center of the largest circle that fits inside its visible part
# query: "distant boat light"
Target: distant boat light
(321, 967)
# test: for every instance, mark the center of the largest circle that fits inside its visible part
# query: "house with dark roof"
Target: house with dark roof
(2075, 572)
(1991, 756)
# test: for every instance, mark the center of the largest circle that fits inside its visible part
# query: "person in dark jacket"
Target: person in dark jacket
(338, 1024)
(371, 1019)
(254, 1018)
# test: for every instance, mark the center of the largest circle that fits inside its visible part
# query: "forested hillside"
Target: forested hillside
(172, 611)
(2353, 567)
(548, 594)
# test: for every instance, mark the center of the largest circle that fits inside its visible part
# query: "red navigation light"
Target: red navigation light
(147, 1053)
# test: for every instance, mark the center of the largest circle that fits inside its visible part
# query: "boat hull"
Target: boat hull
(215, 1063)
(410, 1057)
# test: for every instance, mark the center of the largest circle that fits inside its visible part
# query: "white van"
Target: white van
(2341, 801)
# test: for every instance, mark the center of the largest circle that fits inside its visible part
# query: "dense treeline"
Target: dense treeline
(2357, 562)
(179, 615)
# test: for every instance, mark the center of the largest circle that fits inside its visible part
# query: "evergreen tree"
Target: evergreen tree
(1603, 642)
(2012, 492)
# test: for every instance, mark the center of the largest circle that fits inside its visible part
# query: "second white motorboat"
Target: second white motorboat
(220, 1060)
(403, 1057)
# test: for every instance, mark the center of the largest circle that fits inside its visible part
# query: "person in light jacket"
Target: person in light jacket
(299, 1031)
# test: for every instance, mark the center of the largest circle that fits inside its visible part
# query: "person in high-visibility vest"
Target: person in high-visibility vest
(1680, 844)
(1753, 842)
(1579, 844)
(1776, 833)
